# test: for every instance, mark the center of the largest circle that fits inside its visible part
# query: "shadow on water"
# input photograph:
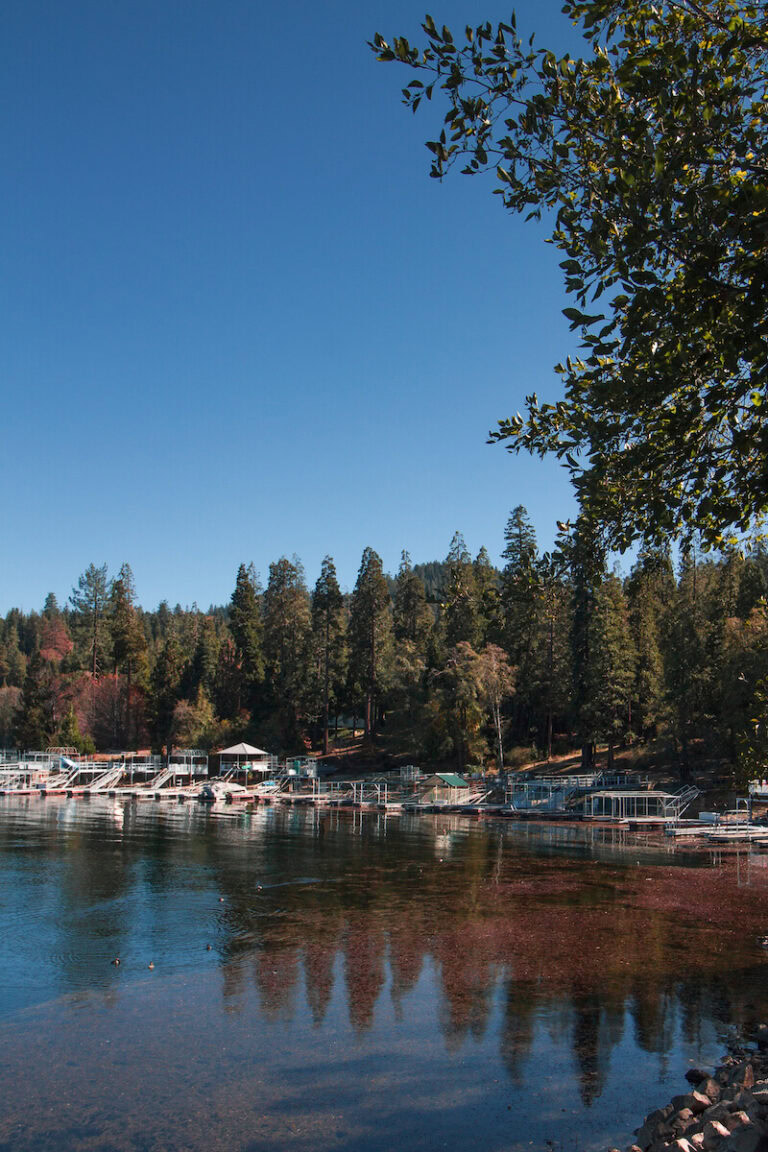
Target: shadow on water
(323, 978)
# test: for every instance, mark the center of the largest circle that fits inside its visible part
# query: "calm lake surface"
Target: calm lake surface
(348, 981)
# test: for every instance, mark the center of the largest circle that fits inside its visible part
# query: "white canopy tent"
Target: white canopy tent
(244, 756)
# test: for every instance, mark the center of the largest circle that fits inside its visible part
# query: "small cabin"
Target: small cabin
(443, 788)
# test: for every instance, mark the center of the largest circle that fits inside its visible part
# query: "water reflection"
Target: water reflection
(513, 948)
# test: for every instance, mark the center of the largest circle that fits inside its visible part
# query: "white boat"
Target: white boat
(220, 792)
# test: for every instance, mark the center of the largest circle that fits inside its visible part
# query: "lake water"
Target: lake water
(348, 981)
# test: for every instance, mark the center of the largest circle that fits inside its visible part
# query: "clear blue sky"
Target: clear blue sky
(238, 319)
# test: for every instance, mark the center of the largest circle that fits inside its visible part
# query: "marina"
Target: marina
(250, 776)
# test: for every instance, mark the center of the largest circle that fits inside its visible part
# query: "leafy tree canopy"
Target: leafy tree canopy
(649, 153)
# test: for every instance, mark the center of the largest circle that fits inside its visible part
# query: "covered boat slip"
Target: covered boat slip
(244, 760)
(618, 798)
(637, 806)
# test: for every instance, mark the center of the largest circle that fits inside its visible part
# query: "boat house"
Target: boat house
(443, 788)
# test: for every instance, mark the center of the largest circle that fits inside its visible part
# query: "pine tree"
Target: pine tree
(89, 603)
(487, 599)
(411, 617)
(687, 668)
(460, 614)
(549, 685)
(521, 603)
(369, 632)
(201, 670)
(610, 674)
(650, 591)
(328, 636)
(246, 629)
(586, 560)
(165, 683)
(286, 644)
(35, 722)
(70, 736)
(129, 646)
(455, 710)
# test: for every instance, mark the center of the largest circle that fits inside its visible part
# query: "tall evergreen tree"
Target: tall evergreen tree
(586, 558)
(328, 636)
(35, 721)
(460, 615)
(129, 645)
(610, 674)
(487, 599)
(286, 636)
(411, 616)
(246, 629)
(369, 632)
(650, 592)
(89, 602)
(548, 689)
(688, 677)
(519, 587)
(165, 683)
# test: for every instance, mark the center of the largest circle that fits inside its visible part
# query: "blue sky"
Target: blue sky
(237, 318)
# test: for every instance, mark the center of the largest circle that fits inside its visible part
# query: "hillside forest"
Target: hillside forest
(455, 662)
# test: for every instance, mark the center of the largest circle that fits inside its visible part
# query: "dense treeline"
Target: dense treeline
(453, 661)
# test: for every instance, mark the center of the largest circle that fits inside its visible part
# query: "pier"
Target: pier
(623, 800)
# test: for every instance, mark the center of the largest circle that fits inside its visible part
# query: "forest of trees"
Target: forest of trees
(454, 662)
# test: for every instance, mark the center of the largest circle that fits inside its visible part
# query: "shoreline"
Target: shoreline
(725, 1110)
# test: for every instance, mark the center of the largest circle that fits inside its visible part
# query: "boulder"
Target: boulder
(717, 1111)
(648, 1133)
(736, 1120)
(681, 1121)
(761, 1035)
(746, 1139)
(696, 1101)
(742, 1074)
(760, 1091)
(709, 1088)
(714, 1134)
(696, 1075)
(697, 1141)
(681, 1145)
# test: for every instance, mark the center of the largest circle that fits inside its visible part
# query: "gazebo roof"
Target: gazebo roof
(243, 750)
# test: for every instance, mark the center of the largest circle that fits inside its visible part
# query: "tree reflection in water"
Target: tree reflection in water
(584, 933)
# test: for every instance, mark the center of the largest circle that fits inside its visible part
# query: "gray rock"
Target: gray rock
(648, 1133)
(736, 1120)
(746, 1139)
(696, 1101)
(710, 1088)
(714, 1134)
(745, 1102)
(742, 1074)
(681, 1119)
(717, 1111)
(760, 1091)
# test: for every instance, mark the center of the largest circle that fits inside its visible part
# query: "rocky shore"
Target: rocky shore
(726, 1110)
